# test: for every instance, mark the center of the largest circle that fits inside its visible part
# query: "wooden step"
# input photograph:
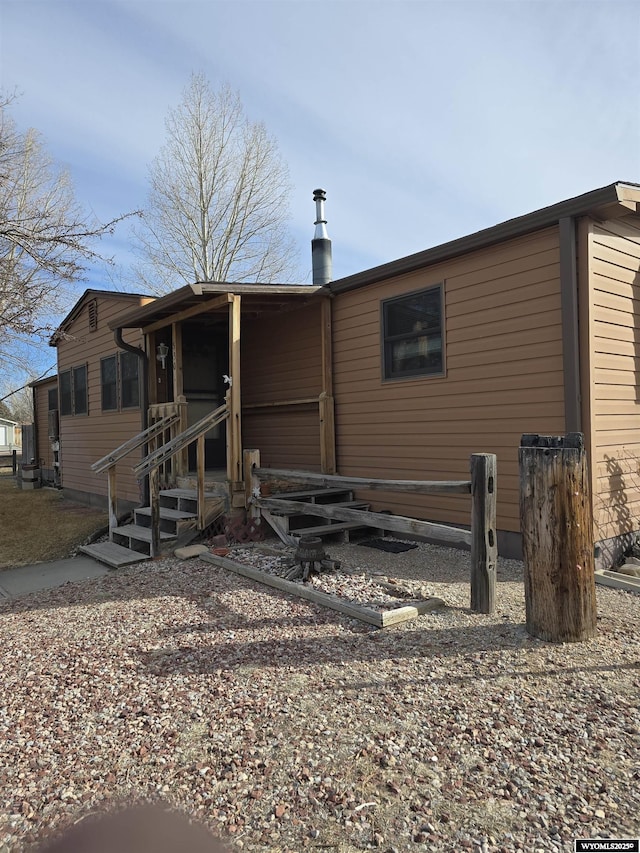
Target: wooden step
(314, 495)
(293, 512)
(171, 520)
(138, 538)
(344, 528)
(113, 555)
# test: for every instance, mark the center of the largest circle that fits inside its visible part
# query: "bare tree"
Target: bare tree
(45, 236)
(218, 198)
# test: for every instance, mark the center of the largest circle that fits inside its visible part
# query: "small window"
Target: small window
(53, 399)
(66, 401)
(129, 387)
(109, 382)
(80, 406)
(412, 335)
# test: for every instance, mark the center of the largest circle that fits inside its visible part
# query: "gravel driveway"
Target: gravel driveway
(287, 727)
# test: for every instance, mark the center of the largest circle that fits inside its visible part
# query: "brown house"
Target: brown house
(530, 326)
(98, 400)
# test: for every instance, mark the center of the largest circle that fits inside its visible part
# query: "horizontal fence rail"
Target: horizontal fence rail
(423, 487)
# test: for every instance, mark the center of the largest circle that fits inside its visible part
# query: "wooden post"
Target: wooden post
(14, 462)
(327, 434)
(229, 435)
(201, 468)
(154, 494)
(557, 538)
(326, 401)
(112, 500)
(251, 460)
(234, 422)
(484, 546)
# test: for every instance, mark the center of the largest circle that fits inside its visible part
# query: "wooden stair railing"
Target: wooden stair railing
(108, 463)
(152, 462)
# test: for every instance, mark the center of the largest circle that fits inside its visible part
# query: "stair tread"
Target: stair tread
(310, 493)
(165, 512)
(112, 554)
(323, 529)
(301, 512)
(143, 534)
(185, 493)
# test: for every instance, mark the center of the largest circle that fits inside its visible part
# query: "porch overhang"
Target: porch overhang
(212, 297)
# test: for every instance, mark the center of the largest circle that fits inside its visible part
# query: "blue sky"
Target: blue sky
(424, 121)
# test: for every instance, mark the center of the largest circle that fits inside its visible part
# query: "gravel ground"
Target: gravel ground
(287, 727)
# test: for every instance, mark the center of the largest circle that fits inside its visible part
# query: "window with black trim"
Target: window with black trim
(72, 387)
(119, 379)
(413, 334)
(66, 398)
(109, 383)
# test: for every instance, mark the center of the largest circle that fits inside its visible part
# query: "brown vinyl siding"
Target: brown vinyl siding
(281, 362)
(614, 283)
(86, 438)
(504, 377)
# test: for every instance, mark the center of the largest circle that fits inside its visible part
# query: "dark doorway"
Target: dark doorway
(205, 361)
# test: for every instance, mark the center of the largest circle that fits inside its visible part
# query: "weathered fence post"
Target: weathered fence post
(484, 547)
(251, 460)
(557, 538)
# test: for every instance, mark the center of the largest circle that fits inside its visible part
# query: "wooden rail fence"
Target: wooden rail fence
(481, 537)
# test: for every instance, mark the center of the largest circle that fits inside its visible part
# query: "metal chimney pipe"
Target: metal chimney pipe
(321, 262)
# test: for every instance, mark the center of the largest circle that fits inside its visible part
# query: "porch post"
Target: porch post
(182, 458)
(326, 403)
(234, 423)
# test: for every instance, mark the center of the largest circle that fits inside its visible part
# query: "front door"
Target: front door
(205, 361)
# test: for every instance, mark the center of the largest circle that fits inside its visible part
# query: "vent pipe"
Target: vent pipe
(321, 244)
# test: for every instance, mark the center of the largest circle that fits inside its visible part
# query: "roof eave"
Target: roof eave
(140, 317)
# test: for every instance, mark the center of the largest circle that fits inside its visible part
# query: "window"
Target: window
(53, 399)
(72, 386)
(129, 386)
(412, 334)
(109, 383)
(66, 399)
(80, 406)
(119, 380)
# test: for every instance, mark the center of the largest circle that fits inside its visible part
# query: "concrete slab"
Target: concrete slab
(27, 579)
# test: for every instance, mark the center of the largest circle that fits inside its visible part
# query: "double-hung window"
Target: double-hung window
(73, 392)
(413, 331)
(119, 380)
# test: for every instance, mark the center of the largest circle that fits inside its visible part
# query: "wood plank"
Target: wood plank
(417, 486)
(201, 308)
(376, 618)
(354, 611)
(112, 555)
(410, 611)
(381, 521)
(304, 401)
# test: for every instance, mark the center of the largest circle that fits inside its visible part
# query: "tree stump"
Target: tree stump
(557, 538)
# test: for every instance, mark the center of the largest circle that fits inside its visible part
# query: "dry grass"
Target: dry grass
(40, 525)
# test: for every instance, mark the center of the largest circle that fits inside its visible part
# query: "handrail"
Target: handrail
(133, 443)
(162, 454)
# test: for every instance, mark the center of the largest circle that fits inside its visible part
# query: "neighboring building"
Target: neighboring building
(530, 326)
(10, 436)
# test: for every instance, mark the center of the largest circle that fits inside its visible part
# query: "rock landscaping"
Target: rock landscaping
(285, 726)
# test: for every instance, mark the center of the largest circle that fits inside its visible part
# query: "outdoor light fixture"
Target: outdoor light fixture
(162, 353)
